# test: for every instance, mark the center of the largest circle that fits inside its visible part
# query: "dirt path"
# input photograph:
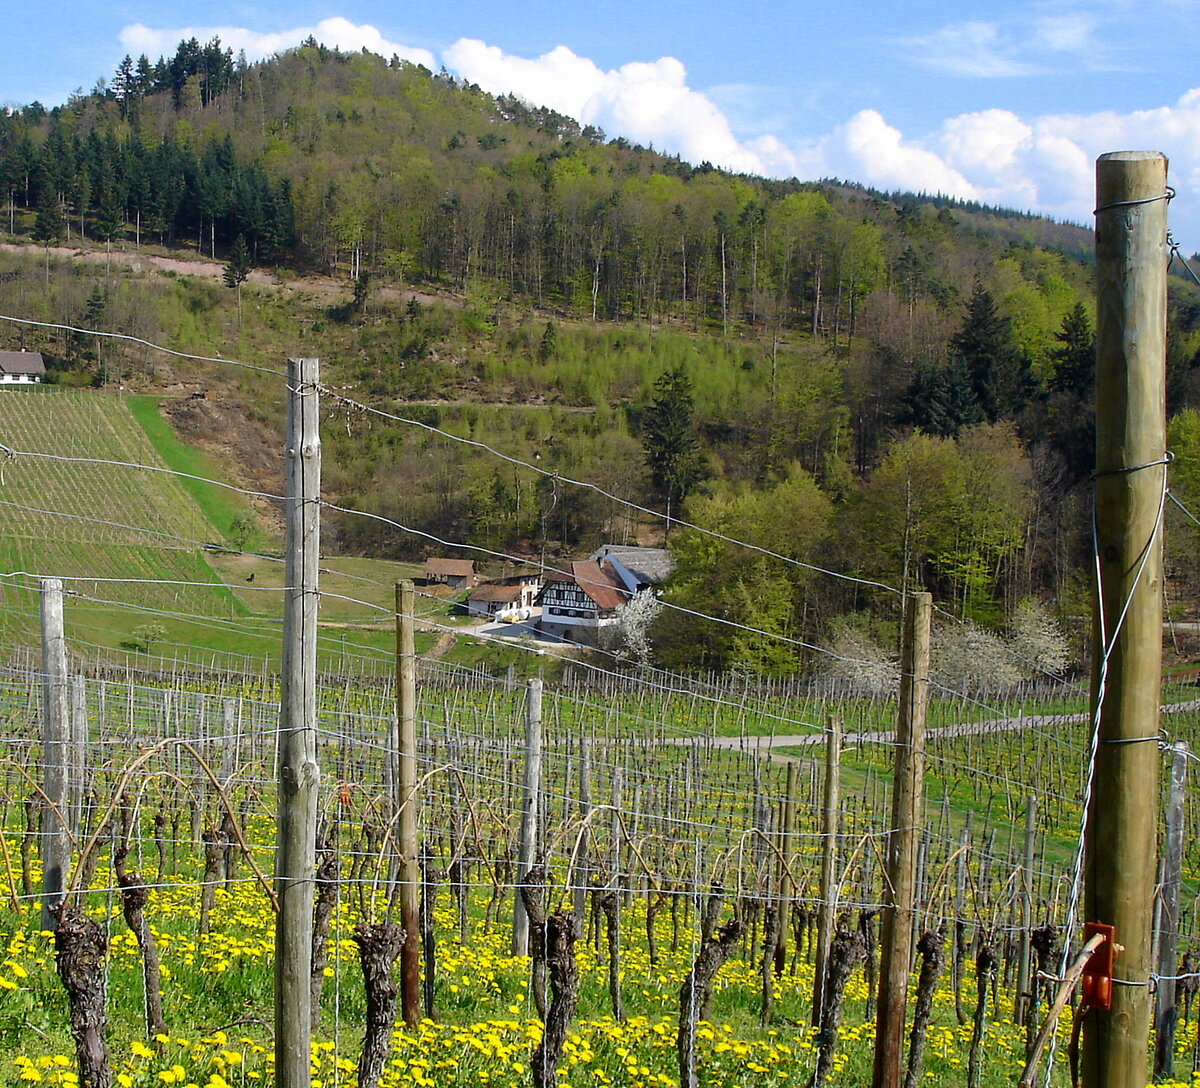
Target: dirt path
(142, 261)
(888, 736)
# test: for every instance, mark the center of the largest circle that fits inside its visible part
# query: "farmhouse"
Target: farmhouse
(455, 573)
(581, 606)
(21, 367)
(490, 598)
(638, 568)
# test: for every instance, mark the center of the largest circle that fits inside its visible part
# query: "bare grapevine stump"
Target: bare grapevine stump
(866, 926)
(79, 949)
(985, 967)
(531, 897)
(229, 830)
(845, 951)
(562, 930)
(328, 873)
(214, 868)
(696, 992)
(654, 904)
(1044, 940)
(431, 876)
(134, 897)
(610, 903)
(33, 816)
(931, 948)
(378, 947)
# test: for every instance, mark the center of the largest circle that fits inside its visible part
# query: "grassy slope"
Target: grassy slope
(220, 504)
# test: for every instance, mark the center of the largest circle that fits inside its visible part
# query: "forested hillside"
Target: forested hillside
(889, 385)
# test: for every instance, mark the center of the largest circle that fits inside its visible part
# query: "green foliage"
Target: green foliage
(242, 530)
(998, 373)
(669, 438)
(947, 514)
(146, 636)
(237, 268)
(790, 518)
(1075, 357)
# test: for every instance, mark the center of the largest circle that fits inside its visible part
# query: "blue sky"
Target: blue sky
(1007, 103)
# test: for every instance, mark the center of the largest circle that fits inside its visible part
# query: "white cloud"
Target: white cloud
(868, 149)
(1070, 32)
(647, 102)
(336, 32)
(1021, 46)
(974, 49)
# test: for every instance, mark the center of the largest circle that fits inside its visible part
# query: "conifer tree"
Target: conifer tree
(237, 269)
(1075, 357)
(999, 375)
(670, 440)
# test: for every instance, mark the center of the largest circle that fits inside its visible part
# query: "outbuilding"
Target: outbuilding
(21, 367)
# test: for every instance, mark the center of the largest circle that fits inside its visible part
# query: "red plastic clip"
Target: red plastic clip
(1096, 981)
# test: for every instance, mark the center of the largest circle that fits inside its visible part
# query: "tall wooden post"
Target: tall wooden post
(527, 843)
(787, 868)
(1131, 298)
(895, 945)
(1166, 1012)
(406, 804)
(77, 752)
(1023, 1000)
(829, 852)
(298, 774)
(56, 848)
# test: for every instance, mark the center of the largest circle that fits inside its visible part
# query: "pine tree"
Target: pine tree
(1000, 378)
(237, 269)
(1075, 357)
(548, 343)
(670, 440)
(48, 226)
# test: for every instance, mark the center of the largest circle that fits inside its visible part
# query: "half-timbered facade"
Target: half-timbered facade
(581, 606)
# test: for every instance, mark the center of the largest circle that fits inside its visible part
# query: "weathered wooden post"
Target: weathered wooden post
(298, 774)
(531, 787)
(1023, 1001)
(829, 852)
(55, 840)
(1131, 312)
(895, 947)
(1166, 1012)
(406, 803)
(787, 866)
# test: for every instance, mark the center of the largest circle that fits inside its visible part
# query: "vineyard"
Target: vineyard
(73, 509)
(667, 826)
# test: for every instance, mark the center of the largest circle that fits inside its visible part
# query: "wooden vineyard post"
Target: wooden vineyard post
(1023, 1000)
(895, 943)
(1166, 1012)
(298, 774)
(787, 866)
(527, 843)
(1120, 848)
(827, 906)
(406, 804)
(55, 840)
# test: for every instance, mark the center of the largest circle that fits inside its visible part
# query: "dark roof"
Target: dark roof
(600, 582)
(648, 565)
(451, 568)
(495, 594)
(21, 362)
